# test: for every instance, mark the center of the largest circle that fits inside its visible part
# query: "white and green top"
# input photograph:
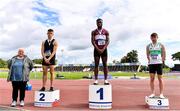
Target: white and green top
(155, 53)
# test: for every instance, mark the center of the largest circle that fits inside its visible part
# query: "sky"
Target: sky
(24, 24)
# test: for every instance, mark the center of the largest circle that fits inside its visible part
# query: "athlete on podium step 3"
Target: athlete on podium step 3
(156, 55)
(100, 41)
(48, 51)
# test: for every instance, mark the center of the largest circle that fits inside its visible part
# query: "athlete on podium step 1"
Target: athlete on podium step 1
(48, 51)
(100, 41)
(156, 55)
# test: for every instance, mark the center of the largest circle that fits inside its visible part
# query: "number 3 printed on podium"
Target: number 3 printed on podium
(159, 102)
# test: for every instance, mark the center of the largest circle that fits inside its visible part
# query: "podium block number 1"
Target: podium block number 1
(100, 91)
(42, 95)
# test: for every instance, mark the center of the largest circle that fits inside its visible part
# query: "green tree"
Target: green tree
(124, 59)
(176, 56)
(131, 57)
(37, 61)
(115, 62)
(3, 63)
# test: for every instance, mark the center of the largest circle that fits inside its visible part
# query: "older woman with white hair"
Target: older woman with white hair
(19, 69)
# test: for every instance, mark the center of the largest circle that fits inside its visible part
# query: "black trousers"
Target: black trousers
(18, 85)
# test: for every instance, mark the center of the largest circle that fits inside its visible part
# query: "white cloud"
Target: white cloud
(130, 22)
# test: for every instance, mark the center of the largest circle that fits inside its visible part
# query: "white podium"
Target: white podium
(157, 103)
(47, 98)
(100, 96)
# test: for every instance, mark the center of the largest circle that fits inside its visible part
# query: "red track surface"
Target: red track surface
(127, 94)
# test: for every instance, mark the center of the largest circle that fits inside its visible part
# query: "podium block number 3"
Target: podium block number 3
(159, 102)
(42, 95)
(100, 91)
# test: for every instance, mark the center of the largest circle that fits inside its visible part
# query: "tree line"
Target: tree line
(130, 57)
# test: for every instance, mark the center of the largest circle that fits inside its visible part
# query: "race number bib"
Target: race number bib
(101, 42)
(101, 39)
(154, 57)
(47, 53)
(155, 54)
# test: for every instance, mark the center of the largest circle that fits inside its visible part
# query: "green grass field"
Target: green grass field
(79, 75)
(76, 75)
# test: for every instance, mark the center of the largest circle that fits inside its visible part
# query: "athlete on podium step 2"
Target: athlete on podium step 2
(156, 55)
(100, 41)
(48, 51)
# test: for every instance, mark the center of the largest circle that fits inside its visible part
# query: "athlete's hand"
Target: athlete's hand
(103, 49)
(47, 61)
(100, 51)
(163, 59)
(163, 62)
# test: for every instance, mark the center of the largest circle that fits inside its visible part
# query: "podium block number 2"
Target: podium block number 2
(159, 102)
(42, 95)
(100, 91)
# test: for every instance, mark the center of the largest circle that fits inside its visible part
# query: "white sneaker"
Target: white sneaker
(106, 82)
(151, 96)
(96, 82)
(13, 104)
(161, 96)
(21, 103)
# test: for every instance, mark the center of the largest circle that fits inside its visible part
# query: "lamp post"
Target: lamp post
(62, 50)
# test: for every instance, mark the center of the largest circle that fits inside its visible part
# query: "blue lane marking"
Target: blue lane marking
(47, 102)
(100, 102)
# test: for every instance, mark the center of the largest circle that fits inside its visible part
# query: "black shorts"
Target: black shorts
(52, 62)
(156, 68)
(104, 54)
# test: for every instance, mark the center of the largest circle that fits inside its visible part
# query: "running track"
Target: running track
(127, 94)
